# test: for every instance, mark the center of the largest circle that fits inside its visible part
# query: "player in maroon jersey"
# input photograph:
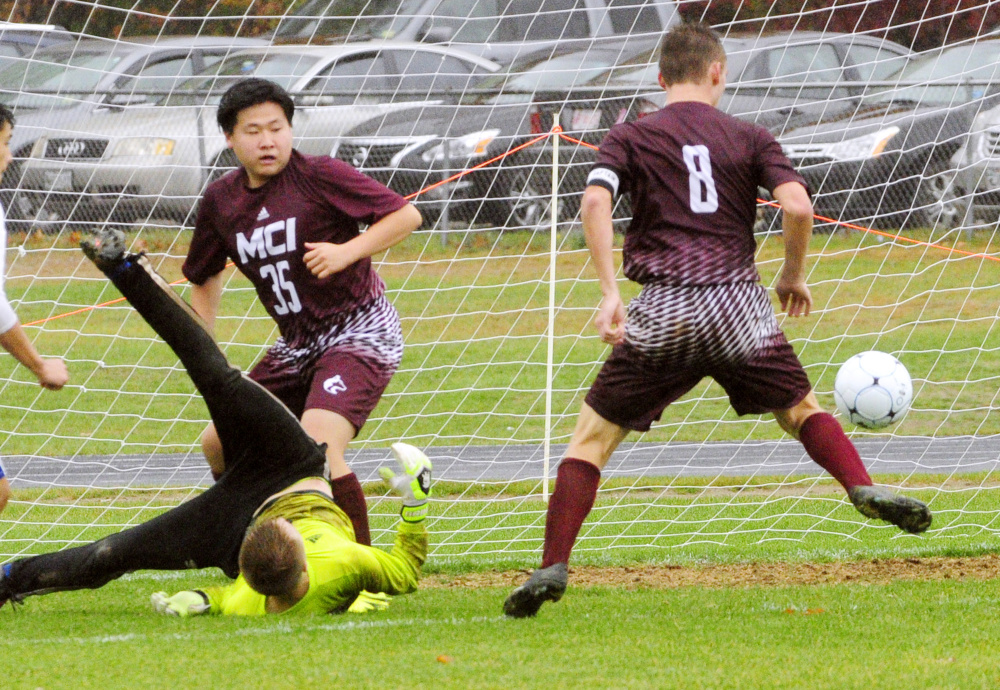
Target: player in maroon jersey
(290, 222)
(693, 173)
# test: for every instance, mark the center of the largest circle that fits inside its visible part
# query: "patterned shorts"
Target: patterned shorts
(676, 336)
(344, 370)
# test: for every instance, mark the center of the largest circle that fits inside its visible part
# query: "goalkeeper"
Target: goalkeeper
(299, 553)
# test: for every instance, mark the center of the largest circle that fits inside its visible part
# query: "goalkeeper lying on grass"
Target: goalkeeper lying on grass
(299, 553)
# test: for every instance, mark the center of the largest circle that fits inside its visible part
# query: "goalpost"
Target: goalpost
(497, 320)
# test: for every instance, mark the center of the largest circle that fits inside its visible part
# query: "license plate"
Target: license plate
(58, 180)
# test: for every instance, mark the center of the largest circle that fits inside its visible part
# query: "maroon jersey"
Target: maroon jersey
(264, 231)
(693, 173)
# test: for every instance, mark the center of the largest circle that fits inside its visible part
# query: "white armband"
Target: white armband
(604, 177)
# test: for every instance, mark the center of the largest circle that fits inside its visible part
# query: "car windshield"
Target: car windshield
(207, 87)
(55, 79)
(342, 18)
(461, 21)
(643, 70)
(557, 73)
(947, 77)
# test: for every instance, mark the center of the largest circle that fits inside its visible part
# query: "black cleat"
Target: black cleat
(545, 584)
(908, 514)
(106, 249)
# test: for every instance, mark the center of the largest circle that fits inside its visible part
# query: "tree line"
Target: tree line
(920, 25)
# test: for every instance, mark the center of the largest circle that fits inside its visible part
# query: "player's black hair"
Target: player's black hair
(247, 93)
(6, 116)
(687, 51)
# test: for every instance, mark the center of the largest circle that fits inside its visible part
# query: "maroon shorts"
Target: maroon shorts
(341, 382)
(344, 369)
(676, 337)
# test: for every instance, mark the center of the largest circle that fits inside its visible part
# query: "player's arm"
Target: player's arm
(598, 231)
(325, 258)
(205, 299)
(796, 226)
(398, 571)
(51, 373)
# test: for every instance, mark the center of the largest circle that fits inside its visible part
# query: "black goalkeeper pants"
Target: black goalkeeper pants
(266, 450)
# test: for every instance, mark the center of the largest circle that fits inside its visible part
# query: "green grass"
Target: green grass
(474, 314)
(475, 320)
(650, 521)
(905, 634)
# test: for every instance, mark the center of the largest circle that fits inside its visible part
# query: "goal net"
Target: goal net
(889, 110)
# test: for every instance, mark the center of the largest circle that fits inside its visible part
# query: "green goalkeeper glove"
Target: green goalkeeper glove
(414, 485)
(369, 601)
(183, 604)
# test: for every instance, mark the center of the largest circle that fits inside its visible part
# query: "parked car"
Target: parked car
(777, 80)
(978, 160)
(140, 163)
(500, 30)
(19, 41)
(412, 149)
(894, 159)
(60, 86)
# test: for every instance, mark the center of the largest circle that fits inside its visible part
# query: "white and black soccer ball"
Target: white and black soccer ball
(873, 389)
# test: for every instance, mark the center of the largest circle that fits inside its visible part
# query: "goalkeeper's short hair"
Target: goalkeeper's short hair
(270, 560)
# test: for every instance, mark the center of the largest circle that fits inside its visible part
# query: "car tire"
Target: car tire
(528, 205)
(940, 202)
(223, 163)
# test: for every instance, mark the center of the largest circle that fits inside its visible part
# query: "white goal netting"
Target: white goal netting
(473, 109)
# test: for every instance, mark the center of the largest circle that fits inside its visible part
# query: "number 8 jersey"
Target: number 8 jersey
(692, 173)
(264, 231)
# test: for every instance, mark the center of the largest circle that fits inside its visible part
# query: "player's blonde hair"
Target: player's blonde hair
(687, 51)
(271, 561)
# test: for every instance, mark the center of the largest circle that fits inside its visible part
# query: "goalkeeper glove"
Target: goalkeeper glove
(414, 485)
(369, 601)
(183, 604)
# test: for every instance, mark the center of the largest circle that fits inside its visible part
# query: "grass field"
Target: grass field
(475, 318)
(903, 634)
(474, 315)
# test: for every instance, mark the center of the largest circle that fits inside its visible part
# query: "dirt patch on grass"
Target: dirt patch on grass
(877, 571)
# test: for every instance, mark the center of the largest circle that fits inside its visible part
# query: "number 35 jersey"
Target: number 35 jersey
(692, 173)
(264, 231)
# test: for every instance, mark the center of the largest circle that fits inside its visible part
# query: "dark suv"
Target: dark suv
(500, 30)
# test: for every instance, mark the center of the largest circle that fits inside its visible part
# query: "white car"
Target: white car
(136, 164)
(978, 162)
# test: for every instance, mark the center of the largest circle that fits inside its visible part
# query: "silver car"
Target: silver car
(136, 164)
(60, 85)
(978, 160)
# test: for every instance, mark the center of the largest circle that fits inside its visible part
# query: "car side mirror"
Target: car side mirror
(438, 34)
(126, 99)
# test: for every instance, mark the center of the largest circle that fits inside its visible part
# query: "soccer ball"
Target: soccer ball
(873, 389)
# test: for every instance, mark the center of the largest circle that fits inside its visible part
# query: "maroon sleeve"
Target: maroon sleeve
(354, 193)
(613, 155)
(775, 168)
(207, 254)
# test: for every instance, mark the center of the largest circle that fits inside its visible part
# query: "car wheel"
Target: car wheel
(224, 163)
(940, 202)
(529, 202)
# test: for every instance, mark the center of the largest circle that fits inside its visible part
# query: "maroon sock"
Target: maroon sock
(572, 499)
(350, 497)
(828, 445)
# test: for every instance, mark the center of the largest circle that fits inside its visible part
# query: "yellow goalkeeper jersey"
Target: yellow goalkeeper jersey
(339, 568)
